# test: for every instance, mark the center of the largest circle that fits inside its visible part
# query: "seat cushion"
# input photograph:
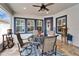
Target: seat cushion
(26, 51)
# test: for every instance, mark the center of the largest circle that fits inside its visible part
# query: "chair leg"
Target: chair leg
(42, 53)
(55, 49)
(37, 46)
(20, 53)
(19, 49)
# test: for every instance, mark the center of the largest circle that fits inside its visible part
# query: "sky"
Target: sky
(4, 15)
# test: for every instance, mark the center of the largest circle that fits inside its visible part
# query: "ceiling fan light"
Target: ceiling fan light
(24, 8)
(47, 12)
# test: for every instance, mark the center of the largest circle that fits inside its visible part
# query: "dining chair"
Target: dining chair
(49, 46)
(37, 41)
(25, 49)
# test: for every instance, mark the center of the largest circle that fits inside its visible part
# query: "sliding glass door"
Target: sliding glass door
(48, 25)
(5, 19)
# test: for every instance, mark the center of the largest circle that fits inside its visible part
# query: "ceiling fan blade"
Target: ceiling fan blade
(47, 9)
(40, 9)
(36, 6)
(49, 4)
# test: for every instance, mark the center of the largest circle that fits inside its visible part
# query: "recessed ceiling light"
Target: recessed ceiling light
(24, 8)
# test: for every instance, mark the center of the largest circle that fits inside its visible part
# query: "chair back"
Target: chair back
(49, 43)
(19, 39)
(51, 33)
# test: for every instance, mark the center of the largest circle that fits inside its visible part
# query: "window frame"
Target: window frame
(15, 18)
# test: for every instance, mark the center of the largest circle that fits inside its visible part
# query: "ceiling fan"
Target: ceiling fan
(43, 6)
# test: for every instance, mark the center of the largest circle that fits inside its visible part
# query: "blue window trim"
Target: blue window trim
(26, 26)
(14, 25)
(26, 29)
(35, 24)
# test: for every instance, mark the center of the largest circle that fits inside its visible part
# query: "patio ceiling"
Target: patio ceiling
(18, 8)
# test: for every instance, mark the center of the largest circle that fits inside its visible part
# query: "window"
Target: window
(30, 25)
(60, 23)
(26, 25)
(4, 22)
(39, 25)
(20, 25)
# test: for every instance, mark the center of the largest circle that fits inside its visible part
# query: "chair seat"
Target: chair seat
(26, 44)
(26, 51)
(36, 43)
